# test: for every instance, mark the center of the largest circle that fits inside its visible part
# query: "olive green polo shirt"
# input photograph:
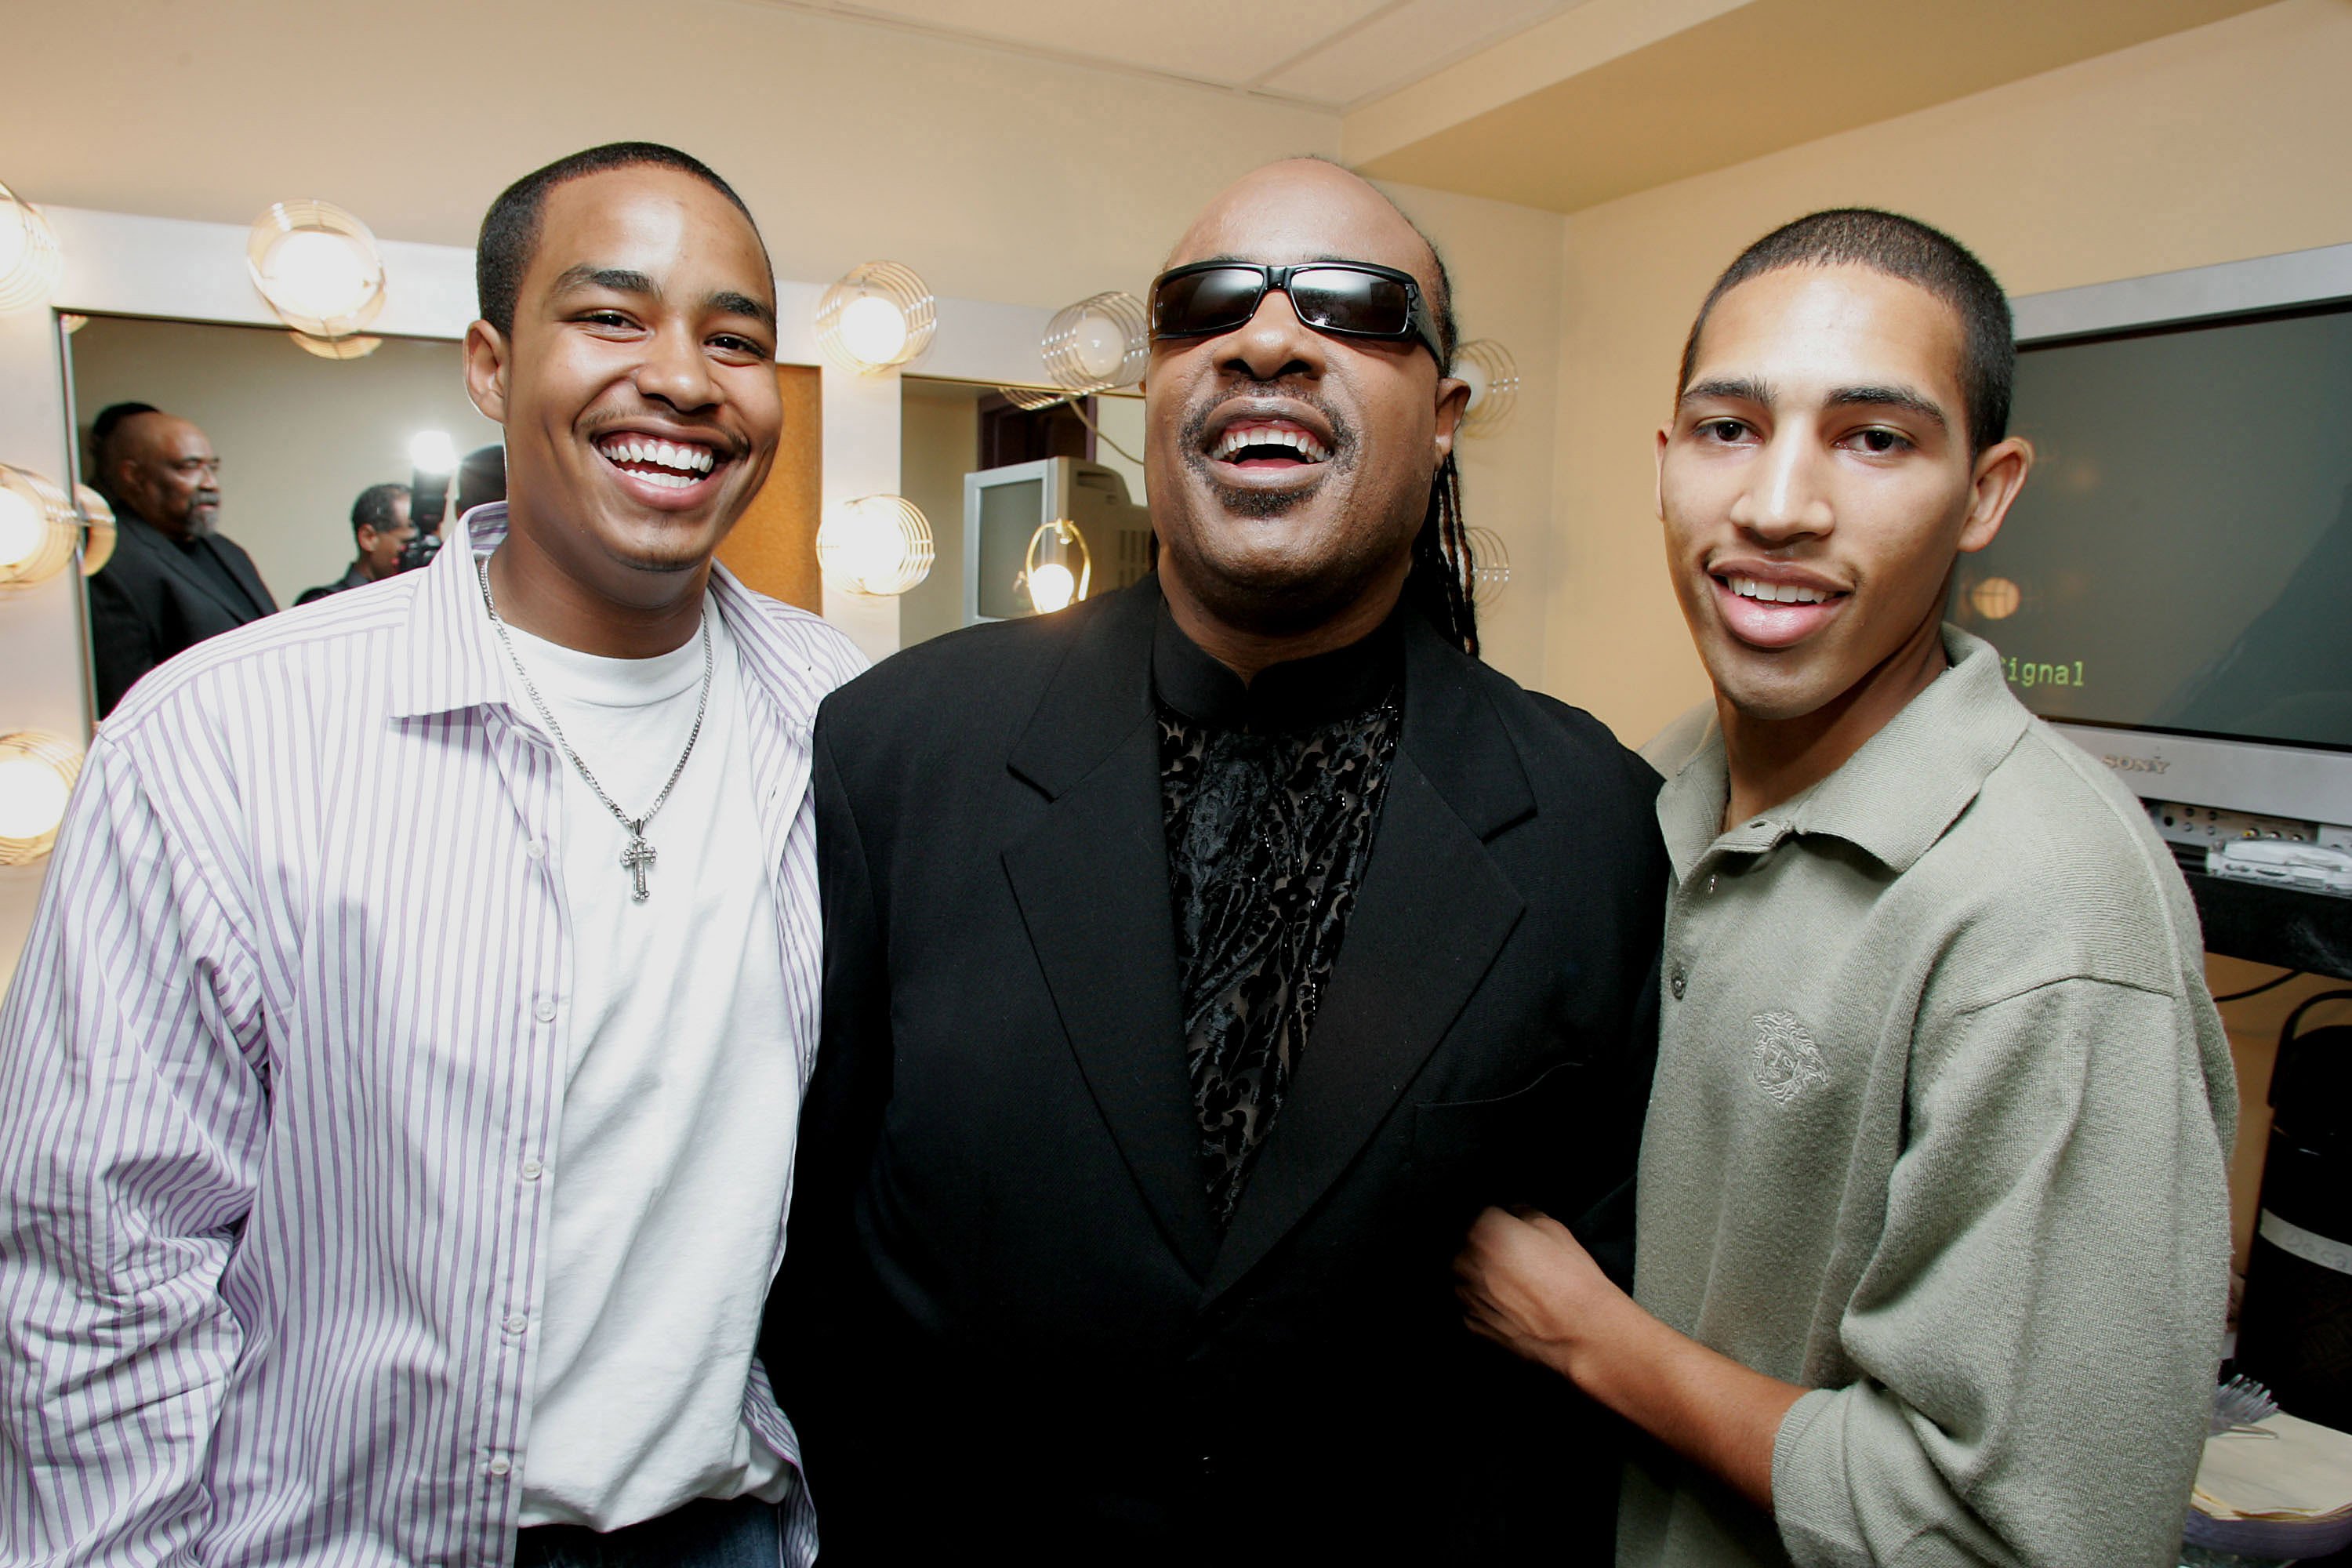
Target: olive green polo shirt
(1938, 1130)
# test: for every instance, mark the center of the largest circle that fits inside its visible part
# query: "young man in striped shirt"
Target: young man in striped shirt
(389, 1188)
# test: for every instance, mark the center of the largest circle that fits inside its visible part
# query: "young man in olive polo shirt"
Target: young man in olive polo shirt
(1932, 1231)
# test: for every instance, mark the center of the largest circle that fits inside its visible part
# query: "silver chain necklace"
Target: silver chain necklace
(638, 857)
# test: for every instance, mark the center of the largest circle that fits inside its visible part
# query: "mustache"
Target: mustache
(1261, 503)
(1195, 429)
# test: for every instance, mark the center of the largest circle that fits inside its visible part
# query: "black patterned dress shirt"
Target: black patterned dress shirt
(1270, 795)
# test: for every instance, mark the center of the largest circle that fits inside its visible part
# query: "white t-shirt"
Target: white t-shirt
(673, 1149)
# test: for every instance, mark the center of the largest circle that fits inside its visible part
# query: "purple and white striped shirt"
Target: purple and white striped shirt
(277, 1078)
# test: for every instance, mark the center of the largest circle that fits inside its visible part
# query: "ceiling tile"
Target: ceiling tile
(1406, 43)
(1227, 41)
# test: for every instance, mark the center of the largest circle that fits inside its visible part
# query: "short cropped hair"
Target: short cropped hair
(373, 508)
(1901, 247)
(110, 420)
(511, 229)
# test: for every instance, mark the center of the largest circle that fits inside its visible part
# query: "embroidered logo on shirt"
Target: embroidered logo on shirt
(1787, 1061)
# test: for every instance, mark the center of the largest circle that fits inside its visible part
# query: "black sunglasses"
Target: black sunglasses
(1344, 299)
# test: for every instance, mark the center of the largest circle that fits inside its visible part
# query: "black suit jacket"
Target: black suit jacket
(149, 602)
(1006, 1319)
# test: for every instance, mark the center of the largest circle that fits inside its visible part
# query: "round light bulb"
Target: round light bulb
(1050, 587)
(317, 274)
(880, 553)
(32, 798)
(23, 529)
(873, 330)
(433, 452)
(1100, 345)
(875, 545)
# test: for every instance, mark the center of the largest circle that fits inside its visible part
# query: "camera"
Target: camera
(420, 550)
(481, 479)
(434, 457)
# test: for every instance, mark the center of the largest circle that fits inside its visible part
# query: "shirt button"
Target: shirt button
(1680, 982)
(516, 1323)
(501, 1465)
(545, 1012)
(536, 849)
(533, 1169)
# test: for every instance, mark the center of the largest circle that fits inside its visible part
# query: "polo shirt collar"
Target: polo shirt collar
(1893, 798)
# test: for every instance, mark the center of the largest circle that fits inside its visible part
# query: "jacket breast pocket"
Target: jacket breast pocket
(1532, 1148)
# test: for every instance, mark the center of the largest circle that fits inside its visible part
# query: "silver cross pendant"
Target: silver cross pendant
(636, 858)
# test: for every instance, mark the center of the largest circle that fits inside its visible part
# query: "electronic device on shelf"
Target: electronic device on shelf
(2306, 868)
(2173, 589)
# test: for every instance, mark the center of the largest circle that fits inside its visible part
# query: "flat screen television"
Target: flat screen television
(2174, 587)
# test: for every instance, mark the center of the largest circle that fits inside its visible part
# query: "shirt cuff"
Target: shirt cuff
(1798, 1505)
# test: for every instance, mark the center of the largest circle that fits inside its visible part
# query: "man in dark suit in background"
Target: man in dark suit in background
(1198, 961)
(173, 581)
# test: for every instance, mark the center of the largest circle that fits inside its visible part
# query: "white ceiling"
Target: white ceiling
(1332, 54)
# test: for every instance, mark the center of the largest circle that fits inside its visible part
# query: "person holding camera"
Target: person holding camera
(383, 532)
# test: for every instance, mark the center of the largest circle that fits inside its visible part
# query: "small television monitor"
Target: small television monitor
(2173, 588)
(1003, 509)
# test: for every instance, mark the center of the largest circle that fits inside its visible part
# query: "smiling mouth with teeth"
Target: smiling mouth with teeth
(672, 465)
(1258, 444)
(1777, 592)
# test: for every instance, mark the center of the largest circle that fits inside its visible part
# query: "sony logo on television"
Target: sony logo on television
(2124, 764)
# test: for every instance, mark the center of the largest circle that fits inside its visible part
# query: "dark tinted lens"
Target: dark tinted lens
(1210, 301)
(1337, 299)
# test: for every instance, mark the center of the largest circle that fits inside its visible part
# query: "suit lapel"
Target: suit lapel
(167, 554)
(1091, 880)
(1431, 914)
(240, 568)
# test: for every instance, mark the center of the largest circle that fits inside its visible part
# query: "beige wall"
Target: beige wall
(1505, 265)
(2211, 145)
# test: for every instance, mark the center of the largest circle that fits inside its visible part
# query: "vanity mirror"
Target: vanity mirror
(297, 436)
(951, 428)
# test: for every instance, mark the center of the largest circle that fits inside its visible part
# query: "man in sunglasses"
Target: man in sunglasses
(1198, 961)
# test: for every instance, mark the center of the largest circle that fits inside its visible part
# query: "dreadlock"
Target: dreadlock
(1439, 581)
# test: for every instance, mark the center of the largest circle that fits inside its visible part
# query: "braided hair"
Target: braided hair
(1438, 582)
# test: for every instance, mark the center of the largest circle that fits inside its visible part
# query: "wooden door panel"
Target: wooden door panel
(774, 547)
